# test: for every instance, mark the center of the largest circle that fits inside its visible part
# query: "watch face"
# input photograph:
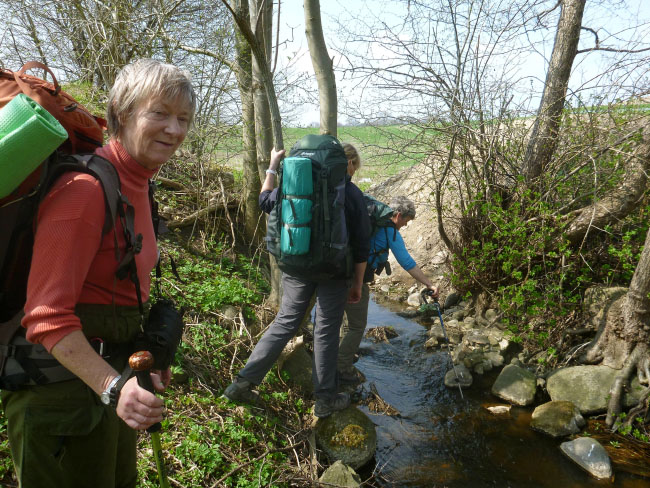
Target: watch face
(105, 397)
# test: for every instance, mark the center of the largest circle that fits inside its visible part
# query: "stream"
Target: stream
(443, 440)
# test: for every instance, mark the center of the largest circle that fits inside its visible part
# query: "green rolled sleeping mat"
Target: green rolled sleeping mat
(297, 190)
(28, 135)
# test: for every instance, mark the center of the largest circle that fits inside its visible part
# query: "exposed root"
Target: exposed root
(643, 370)
(638, 356)
(641, 410)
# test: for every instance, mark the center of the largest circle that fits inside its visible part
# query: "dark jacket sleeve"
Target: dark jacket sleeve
(268, 199)
(358, 223)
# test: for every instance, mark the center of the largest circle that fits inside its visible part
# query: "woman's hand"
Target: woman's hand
(161, 379)
(139, 408)
(276, 157)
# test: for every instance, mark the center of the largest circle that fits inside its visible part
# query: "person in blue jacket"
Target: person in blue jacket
(384, 240)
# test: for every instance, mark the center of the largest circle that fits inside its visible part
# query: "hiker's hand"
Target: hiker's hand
(137, 407)
(435, 291)
(354, 295)
(161, 379)
(276, 157)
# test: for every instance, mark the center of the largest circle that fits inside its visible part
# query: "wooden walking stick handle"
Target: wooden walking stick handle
(141, 363)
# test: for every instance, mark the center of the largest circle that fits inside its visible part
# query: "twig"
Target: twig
(225, 207)
(191, 219)
(174, 185)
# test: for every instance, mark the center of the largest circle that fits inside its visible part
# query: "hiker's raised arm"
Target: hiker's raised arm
(272, 172)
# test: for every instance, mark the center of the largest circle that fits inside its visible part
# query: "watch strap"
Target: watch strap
(114, 393)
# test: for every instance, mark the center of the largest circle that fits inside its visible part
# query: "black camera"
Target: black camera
(162, 333)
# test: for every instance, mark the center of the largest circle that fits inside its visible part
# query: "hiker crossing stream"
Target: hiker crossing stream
(442, 440)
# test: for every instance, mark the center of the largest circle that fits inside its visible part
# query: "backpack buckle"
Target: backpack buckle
(7, 350)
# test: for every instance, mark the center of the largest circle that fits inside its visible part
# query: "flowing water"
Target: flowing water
(442, 440)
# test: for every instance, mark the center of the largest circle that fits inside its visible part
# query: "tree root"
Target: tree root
(637, 357)
(641, 410)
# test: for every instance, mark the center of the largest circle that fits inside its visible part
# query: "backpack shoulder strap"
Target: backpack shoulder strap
(104, 171)
(98, 167)
(118, 207)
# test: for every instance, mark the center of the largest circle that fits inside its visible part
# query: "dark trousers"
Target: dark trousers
(62, 436)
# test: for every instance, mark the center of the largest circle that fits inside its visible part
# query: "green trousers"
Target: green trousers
(352, 333)
(61, 435)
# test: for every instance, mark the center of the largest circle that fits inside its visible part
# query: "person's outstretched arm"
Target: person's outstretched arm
(419, 275)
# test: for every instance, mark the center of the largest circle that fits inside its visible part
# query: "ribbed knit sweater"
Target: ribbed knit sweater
(71, 262)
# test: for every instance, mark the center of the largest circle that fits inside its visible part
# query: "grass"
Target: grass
(385, 151)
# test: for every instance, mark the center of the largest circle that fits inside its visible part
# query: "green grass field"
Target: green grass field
(384, 151)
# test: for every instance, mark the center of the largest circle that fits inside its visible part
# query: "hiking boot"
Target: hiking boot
(241, 390)
(325, 408)
(351, 376)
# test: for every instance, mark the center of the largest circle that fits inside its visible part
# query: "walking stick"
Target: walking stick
(141, 362)
(436, 305)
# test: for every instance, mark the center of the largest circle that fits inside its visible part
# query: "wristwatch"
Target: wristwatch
(112, 392)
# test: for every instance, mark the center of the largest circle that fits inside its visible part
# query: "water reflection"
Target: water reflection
(441, 440)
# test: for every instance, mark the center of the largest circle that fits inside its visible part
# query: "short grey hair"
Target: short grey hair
(142, 80)
(404, 206)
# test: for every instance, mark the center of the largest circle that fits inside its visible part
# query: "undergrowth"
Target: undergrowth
(512, 246)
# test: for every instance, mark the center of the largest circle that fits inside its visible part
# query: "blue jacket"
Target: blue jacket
(385, 239)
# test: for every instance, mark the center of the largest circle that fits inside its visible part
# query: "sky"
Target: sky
(609, 20)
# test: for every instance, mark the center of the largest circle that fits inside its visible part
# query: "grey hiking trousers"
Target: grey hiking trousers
(352, 333)
(331, 296)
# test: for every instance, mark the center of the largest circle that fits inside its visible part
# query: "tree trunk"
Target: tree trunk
(623, 343)
(263, 118)
(543, 140)
(251, 183)
(323, 67)
(262, 26)
(263, 79)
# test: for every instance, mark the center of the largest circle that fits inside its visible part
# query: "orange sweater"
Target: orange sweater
(71, 263)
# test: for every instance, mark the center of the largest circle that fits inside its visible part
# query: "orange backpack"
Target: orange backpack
(85, 131)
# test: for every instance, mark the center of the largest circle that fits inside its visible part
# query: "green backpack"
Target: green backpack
(380, 214)
(307, 231)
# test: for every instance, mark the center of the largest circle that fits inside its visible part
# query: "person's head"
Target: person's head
(403, 211)
(352, 155)
(150, 109)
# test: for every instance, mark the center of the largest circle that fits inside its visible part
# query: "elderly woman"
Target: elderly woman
(80, 432)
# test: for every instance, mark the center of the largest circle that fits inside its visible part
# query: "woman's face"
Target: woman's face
(155, 130)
